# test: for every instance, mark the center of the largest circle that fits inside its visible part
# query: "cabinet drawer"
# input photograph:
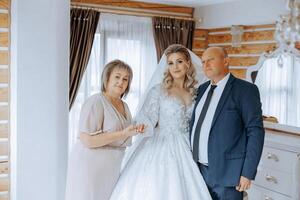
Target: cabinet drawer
(254, 193)
(278, 159)
(274, 180)
(258, 193)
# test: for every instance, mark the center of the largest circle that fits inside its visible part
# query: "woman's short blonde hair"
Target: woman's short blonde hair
(190, 81)
(109, 67)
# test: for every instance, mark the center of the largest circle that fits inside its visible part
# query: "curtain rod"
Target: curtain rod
(128, 12)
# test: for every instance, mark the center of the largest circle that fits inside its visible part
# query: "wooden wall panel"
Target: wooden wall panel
(250, 48)
(243, 61)
(4, 39)
(4, 168)
(4, 4)
(200, 41)
(3, 20)
(139, 5)
(4, 75)
(3, 148)
(200, 44)
(4, 99)
(220, 38)
(258, 35)
(200, 33)
(4, 112)
(3, 94)
(4, 197)
(4, 184)
(247, 36)
(3, 130)
(246, 28)
(3, 57)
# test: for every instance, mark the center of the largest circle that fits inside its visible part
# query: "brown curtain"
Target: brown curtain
(172, 31)
(83, 27)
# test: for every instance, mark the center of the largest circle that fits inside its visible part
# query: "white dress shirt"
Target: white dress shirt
(206, 125)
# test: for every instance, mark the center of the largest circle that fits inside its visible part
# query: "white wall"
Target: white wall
(40, 34)
(240, 12)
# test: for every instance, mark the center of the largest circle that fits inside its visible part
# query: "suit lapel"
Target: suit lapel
(223, 98)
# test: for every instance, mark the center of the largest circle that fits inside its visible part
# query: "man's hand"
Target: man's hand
(244, 184)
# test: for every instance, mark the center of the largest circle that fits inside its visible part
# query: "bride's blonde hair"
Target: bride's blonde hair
(190, 81)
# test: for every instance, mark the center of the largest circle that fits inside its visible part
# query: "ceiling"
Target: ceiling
(189, 3)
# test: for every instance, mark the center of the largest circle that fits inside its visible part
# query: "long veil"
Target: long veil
(157, 78)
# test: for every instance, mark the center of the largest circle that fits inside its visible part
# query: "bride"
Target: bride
(159, 165)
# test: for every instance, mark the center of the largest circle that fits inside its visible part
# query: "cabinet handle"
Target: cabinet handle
(272, 156)
(268, 198)
(271, 178)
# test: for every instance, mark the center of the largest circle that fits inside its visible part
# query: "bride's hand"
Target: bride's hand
(140, 128)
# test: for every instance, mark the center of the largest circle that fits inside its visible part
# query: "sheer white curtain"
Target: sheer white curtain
(280, 89)
(90, 84)
(130, 39)
(127, 38)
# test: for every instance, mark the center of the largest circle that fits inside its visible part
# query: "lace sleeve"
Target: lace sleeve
(149, 112)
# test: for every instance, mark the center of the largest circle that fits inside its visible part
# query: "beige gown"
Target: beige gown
(92, 173)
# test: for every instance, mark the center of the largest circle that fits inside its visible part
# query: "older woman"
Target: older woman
(105, 131)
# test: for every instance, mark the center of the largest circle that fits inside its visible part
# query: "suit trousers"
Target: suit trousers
(217, 191)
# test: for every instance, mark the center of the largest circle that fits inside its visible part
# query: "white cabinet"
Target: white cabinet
(278, 174)
(259, 193)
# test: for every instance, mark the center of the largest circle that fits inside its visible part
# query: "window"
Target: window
(279, 87)
(127, 38)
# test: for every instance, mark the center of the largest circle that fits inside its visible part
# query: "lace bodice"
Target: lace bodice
(163, 112)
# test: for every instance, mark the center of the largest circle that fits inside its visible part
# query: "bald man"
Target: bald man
(226, 129)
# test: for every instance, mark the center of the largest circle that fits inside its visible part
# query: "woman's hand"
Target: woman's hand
(132, 130)
(99, 140)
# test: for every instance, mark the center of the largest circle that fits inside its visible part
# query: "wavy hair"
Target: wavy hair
(190, 81)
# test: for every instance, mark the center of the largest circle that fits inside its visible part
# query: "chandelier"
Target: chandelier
(287, 30)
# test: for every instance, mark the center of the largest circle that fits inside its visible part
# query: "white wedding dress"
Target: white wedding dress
(160, 166)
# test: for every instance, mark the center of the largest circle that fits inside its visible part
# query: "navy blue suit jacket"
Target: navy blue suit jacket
(236, 136)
